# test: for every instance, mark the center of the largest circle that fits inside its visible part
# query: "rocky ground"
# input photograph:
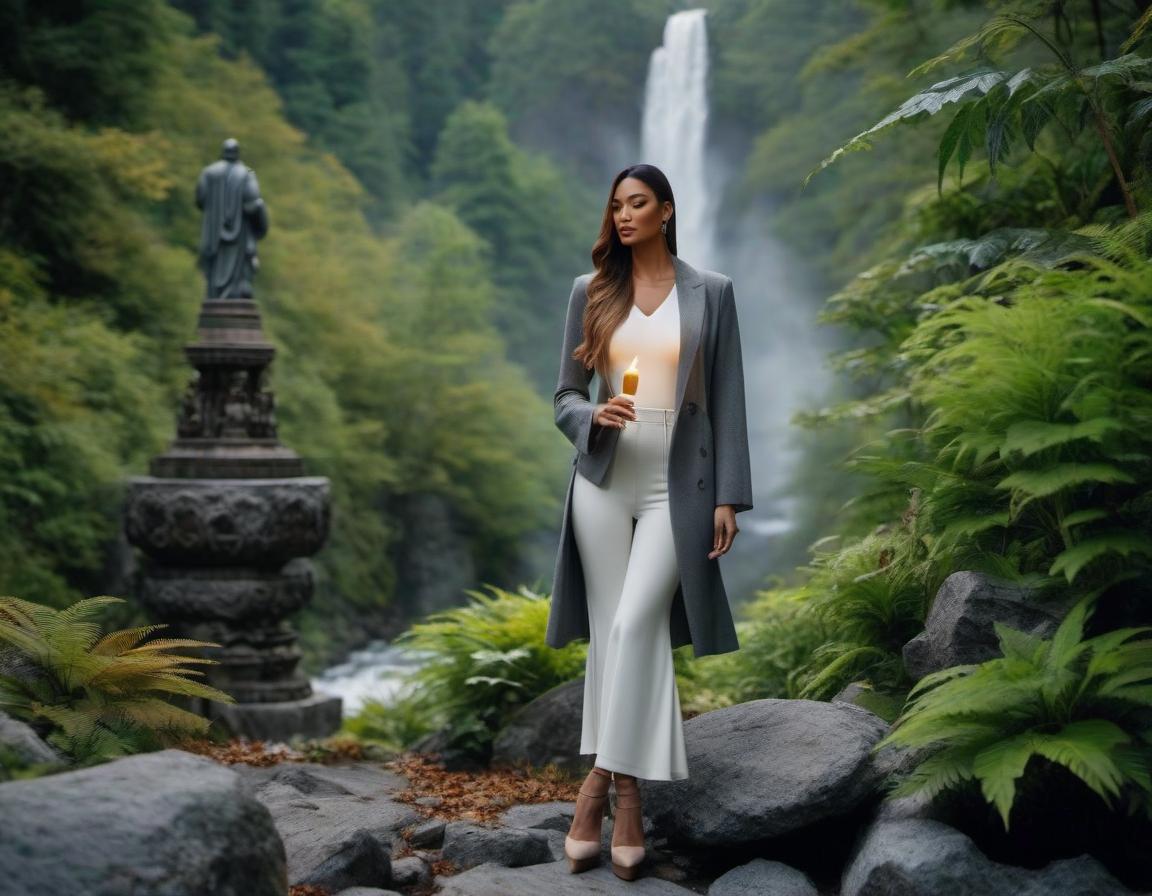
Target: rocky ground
(785, 797)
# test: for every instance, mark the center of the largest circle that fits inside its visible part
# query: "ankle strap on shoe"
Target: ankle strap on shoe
(628, 798)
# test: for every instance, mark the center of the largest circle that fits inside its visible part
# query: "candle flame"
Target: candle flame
(632, 366)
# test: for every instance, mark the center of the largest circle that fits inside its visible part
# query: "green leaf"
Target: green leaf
(948, 142)
(927, 102)
(1084, 515)
(1071, 561)
(1041, 483)
(1029, 436)
(998, 766)
(1015, 644)
(1084, 748)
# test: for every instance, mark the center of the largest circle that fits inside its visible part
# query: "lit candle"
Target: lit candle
(631, 378)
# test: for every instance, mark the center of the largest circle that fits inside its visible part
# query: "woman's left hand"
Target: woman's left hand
(725, 528)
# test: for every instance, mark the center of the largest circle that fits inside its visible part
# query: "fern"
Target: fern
(1066, 699)
(485, 660)
(96, 692)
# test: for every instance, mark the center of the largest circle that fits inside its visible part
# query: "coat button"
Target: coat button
(700, 483)
(703, 451)
(691, 407)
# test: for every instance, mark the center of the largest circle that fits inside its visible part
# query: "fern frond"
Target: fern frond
(1072, 561)
(118, 642)
(999, 765)
(1085, 749)
(943, 770)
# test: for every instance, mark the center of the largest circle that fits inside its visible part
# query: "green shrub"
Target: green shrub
(777, 632)
(485, 660)
(92, 696)
(395, 723)
(1082, 704)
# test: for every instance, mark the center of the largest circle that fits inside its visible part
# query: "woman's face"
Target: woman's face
(636, 212)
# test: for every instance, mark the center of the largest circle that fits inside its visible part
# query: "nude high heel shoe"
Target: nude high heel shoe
(584, 854)
(626, 859)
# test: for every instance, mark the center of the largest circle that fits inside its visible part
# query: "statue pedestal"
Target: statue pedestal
(227, 521)
(318, 715)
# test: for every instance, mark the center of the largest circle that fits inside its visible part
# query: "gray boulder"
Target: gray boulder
(337, 821)
(368, 891)
(553, 816)
(762, 876)
(410, 871)
(959, 629)
(467, 845)
(25, 744)
(427, 834)
(765, 768)
(154, 824)
(546, 730)
(925, 857)
(552, 878)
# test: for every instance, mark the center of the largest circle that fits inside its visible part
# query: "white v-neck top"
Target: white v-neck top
(655, 339)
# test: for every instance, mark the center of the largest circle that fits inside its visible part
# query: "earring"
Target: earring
(664, 226)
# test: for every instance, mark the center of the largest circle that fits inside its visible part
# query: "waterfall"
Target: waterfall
(674, 128)
(783, 347)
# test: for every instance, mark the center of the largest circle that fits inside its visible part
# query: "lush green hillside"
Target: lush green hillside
(379, 336)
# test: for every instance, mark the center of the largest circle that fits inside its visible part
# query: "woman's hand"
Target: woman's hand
(724, 528)
(614, 412)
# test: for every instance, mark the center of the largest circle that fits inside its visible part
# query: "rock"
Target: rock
(553, 816)
(552, 878)
(153, 824)
(959, 629)
(765, 768)
(763, 876)
(368, 891)
(410, 871)
(26, 744)
(467, 845)
(361, 857)
(849, 692)
(545, 731)
(924, 857)
(427, 834)
(337, 822)
(438, 744)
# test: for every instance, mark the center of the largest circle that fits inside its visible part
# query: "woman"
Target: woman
(659, 478)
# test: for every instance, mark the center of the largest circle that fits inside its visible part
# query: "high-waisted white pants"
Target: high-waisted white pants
(631, 715)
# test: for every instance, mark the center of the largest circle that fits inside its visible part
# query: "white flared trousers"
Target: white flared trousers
(631, 715)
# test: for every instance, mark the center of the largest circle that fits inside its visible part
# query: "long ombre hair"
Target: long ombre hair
(610, 289)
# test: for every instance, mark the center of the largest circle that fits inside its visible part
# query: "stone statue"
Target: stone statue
(234, 218)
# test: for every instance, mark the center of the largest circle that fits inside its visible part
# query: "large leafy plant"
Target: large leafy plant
(96, 696)
(993, 108)
(484, 661)
(1085, 705)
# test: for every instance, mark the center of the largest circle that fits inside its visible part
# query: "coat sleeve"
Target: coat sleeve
(726, 402)
(573, 408)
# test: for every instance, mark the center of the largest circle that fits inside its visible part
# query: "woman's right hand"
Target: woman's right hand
(614, 411)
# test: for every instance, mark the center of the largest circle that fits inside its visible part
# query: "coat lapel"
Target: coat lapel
(690, 293)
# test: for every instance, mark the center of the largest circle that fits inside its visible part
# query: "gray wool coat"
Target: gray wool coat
(708, 462)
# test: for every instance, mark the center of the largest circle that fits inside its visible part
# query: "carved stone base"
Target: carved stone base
(239, 596)
(317, 716)
(255, 663)
(219, 522)
(226, 459)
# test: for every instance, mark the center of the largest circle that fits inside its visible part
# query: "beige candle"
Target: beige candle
(631, 378)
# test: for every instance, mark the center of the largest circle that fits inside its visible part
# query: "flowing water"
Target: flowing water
(783, 350)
